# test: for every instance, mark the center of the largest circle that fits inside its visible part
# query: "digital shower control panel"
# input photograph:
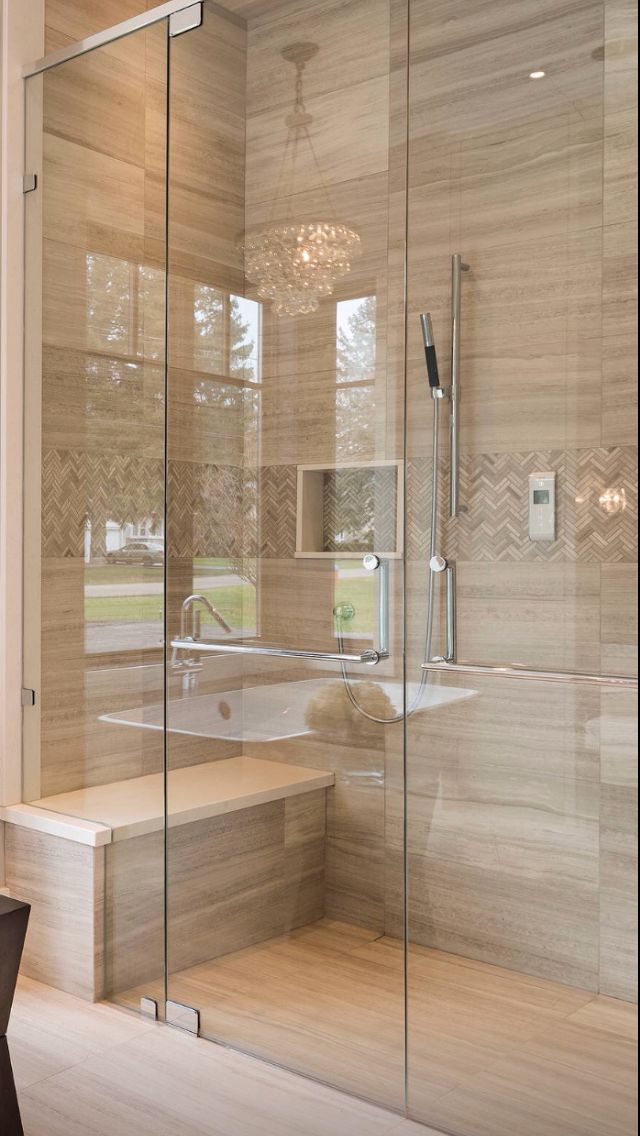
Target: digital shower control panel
(542, 506)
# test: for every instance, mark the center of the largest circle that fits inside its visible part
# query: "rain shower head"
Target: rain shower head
(430, 350)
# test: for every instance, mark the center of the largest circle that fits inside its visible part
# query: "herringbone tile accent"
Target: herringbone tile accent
(493, 521)
(277, 511)
(205, 510)
(78, 486)
(219, 510)
(362, 505)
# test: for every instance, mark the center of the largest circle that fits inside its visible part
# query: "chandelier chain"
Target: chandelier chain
(295, 264)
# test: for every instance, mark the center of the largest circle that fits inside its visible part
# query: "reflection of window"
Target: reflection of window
(355, 373)
(230, 585)
(226, 334)
(125, 308)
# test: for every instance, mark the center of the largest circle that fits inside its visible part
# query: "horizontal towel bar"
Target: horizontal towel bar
(619, 681)
(203, 647)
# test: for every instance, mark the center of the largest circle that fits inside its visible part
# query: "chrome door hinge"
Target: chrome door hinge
(149, 1007)
(29, 183)
(186, 20)
(28, 696)
(183, 1017)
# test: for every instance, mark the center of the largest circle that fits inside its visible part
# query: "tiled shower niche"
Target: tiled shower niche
(348, 510)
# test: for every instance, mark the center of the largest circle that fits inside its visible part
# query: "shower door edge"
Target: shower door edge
(108, 35)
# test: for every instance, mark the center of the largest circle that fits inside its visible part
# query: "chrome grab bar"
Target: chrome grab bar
(457, 268)
(622, 682)
(369, 657)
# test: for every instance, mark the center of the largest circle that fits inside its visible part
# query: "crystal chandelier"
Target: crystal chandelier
(295, 263)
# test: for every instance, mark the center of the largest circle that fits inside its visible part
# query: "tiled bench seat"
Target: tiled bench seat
(245, 859)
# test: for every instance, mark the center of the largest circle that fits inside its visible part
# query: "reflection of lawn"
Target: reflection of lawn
(236, 604)
(140, 574)
(360, 593)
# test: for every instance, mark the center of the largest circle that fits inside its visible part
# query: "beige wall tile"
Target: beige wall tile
(63, 882)
(353, 47)
(547, 618)
(619, 738)
(234, 881)
(305, 825)
(98, 100)
(79, 18)
(357, 150)
(619, 604)
(620, 293)
(618, 892)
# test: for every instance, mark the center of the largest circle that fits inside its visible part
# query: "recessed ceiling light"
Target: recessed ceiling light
(537, 74)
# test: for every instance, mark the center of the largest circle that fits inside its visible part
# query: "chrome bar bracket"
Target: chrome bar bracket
(186, 20)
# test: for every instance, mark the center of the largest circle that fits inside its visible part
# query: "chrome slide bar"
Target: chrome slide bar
(450, 577)
(622, 682)
(457, 268)
(116, 32)
(204, 647)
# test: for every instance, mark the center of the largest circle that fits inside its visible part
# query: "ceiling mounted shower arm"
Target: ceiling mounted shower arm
(457, 268)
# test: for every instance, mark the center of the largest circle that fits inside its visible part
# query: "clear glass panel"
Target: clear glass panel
(94, 510)
(519, 812)
(285, 467)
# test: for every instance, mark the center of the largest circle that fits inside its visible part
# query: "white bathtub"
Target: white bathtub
(265, 713)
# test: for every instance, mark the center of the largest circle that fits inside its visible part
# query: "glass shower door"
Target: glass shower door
(521, 790)
(94, 512)
(285, 447)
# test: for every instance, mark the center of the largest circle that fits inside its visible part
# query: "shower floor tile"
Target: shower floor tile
(491, 1051)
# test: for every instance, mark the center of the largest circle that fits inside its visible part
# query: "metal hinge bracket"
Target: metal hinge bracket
(186, 20)
(27, 696)
(183, 1017)
(149, 1008)
(29, 183)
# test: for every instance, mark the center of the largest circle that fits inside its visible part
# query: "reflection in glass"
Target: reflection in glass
(355, 375)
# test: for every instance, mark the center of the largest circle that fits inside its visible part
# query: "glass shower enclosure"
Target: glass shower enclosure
(332, 642)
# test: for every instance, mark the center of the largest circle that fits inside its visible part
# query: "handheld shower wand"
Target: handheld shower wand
(430, 350)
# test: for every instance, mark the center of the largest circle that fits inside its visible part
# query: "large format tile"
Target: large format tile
(487, 1046)
(172, 1085)
(518, 613)
(618, 891)
(64, 883)
(51, 1030)
(357, 150)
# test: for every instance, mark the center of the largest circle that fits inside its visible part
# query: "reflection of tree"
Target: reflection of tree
(356, 364)
(356, 359)
(222, 342)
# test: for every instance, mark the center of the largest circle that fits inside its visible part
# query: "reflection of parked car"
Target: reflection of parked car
(138, 552)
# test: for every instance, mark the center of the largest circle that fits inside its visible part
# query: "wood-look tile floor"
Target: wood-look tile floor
(94, 1070)
(492, 1052)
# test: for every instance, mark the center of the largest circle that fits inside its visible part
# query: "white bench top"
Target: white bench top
(106, 813)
